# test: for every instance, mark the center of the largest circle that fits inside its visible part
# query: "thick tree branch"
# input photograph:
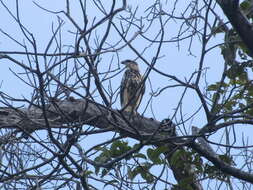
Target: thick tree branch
(239, 21)
(224, 167)
(82, 111)
(87, 112)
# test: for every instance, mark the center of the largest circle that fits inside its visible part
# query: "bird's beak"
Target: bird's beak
(123, 62)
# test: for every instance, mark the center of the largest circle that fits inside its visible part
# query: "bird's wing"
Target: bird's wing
(131, 90)
(134, 90)
(140, 92)
(143, 89)
(123, 89)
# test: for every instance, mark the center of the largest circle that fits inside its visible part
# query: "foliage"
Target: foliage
(197, 70)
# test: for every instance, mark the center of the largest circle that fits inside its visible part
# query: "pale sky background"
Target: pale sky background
(175, 61)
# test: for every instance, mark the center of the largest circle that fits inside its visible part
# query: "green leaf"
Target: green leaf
(245, 5)
(140, 155)
(132, 173)
(175, 158)
(213, 172)
(104, 172)
(212, 87)
(102, 158)
(147, 176)
(235, 70)
(142, 169)
(229, 105)
(218, 29)
(250, 91)
(118, 148)
(185, 183)
(87, 172)
(216, 95)
(228, 159)
(154, 154)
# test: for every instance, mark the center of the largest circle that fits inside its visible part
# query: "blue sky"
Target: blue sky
(175, 60)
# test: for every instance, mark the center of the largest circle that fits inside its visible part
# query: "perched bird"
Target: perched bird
(132, 87)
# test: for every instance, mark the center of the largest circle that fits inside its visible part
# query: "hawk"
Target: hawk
(132, 87)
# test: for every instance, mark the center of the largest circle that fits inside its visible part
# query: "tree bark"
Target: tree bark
(239, 21)
(84, 111)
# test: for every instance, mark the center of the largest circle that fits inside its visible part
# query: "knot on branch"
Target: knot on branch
(168, 126)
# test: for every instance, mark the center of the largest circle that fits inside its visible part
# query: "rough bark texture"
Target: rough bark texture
(147, 130)
(87, 112)
(183, 173)
(239, 21)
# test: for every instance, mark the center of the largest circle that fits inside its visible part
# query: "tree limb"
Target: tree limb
(84, 111)
(239, 21)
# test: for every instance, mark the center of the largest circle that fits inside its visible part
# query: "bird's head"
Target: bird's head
(132, 65)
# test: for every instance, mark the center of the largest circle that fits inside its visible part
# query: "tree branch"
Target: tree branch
(84, 111)
(239, 21)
